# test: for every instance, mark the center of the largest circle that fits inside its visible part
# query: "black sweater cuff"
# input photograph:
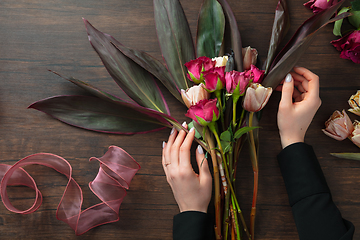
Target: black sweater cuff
(192, 225)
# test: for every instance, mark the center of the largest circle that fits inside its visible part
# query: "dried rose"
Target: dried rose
(204, 112)
(256, 97)
(249, 57)
(220, 61)
(320, 5)
(193, 95)
(215, 79)
(355, 135)
(354, 103)
(349, 46)
(338, 126)
(197, 67)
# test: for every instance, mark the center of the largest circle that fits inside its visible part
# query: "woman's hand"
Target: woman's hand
(192, 191)
(298, 105)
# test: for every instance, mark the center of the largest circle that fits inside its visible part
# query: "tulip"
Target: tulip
(256, 97)
(236, 82)
(194, 94)
(355, 135)
(215, 79)
(204, 112)
(249, 57)
(338, 126)
(354, 103)
(197, 67)
(255, 74)
(220, 61)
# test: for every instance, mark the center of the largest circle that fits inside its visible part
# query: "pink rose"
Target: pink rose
(197, 67)
(236, 82)
(215, 79)
(255, 74)
(256, 97)
(320, 5)
(194, 94)
(338, 126)
(204, 112)
(349, 46)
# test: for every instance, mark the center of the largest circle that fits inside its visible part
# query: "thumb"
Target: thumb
(287, 90)
(202, 162)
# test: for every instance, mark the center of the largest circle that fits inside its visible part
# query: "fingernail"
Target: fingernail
(172, 130)
(183, 124)
(200, 149)
(288, 78)
(192, 129)
(163, 144)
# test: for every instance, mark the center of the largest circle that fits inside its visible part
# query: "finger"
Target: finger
(175, 148)
(164, 162)
(204, 171)
(184, 155)
(300, 82)
(287, 91)
(167, 147)
(313, 81)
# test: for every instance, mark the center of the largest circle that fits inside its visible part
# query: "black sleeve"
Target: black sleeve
(193, 225)
(316, 215)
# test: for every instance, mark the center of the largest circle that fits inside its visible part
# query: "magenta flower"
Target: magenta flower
(255, 74)
(256, 97)
(236, 82)
(215, 79)
(204, 112)
(349, 46)
(338, 126)
(197, 67)
(320, 5)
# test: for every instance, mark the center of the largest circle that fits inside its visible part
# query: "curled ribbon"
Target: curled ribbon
(117, 168)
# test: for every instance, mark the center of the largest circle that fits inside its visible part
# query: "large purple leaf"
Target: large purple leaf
(174, 38)
(134, 80)
(235, 38)
(99, 115)
(298, 44)
(210, 30)
(280, 27)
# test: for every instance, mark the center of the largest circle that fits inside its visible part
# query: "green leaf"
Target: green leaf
(226, 136)
(354, 19)
(337, 25)
(210, 30)
(242, 131)
(134, 80)
(153, 66)
(95, 114)
(175, 39)
(280, 27)
(236, 45)
(226, 146)
(352, 156)
(355, 5)
(298, 44)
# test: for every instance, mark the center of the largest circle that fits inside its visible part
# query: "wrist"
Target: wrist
(286, 141)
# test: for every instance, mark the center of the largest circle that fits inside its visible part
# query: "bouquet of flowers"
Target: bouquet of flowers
(222, 93)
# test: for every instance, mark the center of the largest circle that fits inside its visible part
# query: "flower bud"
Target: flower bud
(256, 97)
(355, 135)
(220, 61)
(354, 103)
(193, 95)
(236, 82)
(215, 79)
(249, 57)
(338, 126)
(204, 112)
(197, 67)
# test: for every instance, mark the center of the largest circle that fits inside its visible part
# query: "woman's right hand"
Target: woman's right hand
(298, 105)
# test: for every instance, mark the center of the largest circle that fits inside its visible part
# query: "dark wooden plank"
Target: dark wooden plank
(39, 35)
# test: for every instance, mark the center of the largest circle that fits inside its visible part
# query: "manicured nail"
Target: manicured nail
(288, 78)
(183, 124)
(200, 149)
(172, 130)
(163, 144)
(192, 129)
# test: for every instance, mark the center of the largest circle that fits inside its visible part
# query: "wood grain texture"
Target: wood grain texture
(39, 35)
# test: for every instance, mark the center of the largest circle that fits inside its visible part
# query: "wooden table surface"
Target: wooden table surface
(37, 35)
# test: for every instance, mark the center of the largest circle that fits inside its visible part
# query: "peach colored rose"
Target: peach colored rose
(355, 135)
(338, 126)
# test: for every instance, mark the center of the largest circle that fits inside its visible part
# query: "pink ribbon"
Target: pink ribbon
(117, 168)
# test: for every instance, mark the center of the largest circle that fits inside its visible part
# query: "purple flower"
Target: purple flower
(349, 46)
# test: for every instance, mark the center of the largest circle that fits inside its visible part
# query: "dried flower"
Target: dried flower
(256, 97)
(193, 95)
(338, 126)
(355, 135)
(354, 103)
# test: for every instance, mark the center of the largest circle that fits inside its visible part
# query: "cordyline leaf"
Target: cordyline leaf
(210, 30)
(236, 44)
(297, 45)
(153, 66)
(95, 114)
(175, 39)
(134, 80)
(352, 156)
(280, 27)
